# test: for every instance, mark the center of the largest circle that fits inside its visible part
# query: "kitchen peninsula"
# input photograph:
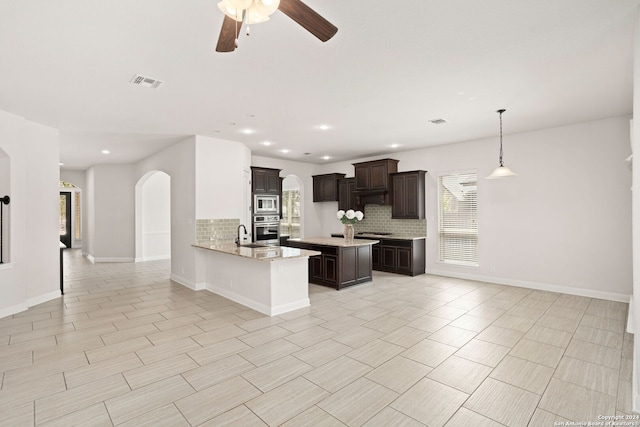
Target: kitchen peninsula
(340, 263)
(269, 279)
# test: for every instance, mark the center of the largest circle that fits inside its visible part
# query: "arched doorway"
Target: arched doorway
(290, 224)
(153, 217)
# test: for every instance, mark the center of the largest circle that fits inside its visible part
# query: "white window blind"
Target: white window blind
(458, 219)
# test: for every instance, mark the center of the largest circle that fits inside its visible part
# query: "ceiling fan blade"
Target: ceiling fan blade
(308, 18)
(228, 35)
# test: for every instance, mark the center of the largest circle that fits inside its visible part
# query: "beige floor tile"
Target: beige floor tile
(322, 352)
(589, 375)
(18, 360)
(217, 372)
(313, 417)
(95, 415)
(538, 352)
(471, 323)
(18, 415)
(114, 350)
(509, 405)
(27, 374)
(221, 334)
(549, 336)
(405, 336)
(128, 334)
(174, 334)
(408, 312)
(453, 336)
(429, 352)
(338, 373)
(168, 415)
(559, 323)
(386, 324)
(167, 350)
(594, 353)
(25, 392)
(152, 372)
(390, 417)
(517, 323)
(483, 352)
(465, 417)
(542, 418)
(430, 402)
(448, 312)
(103, 369)
(259, 323)
(461, 374)
(311, 336)
(213, 401)
(500, 336)
(217, 351)
(573, 301)
(263, 336)
(276, 373)
(357, 337)
(346, 404)
(300, 323)
(573, 402)
(523, 373)
(428, 323)
(286, 401)
(599, 336)
(375, 353)
(147, 399)
(59, 404)
(399, 374)
(239, 416)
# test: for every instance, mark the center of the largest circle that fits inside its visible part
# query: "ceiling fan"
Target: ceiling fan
(256, 11)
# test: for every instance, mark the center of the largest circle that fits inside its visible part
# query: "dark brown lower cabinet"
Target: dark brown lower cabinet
(400, 256)
(338, 266)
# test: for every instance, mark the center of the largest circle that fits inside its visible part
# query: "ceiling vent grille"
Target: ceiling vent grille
(146, 81)
(438, 121)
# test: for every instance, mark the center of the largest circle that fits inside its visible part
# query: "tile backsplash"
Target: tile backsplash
(378, 218)
(217, 230)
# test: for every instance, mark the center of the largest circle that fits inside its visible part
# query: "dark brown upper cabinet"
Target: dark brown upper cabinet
(346, 194)
(325, 187)
(407, 195)
(265, 180)
(374, 175)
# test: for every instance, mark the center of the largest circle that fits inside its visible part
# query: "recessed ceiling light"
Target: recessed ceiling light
(284, 151)
(267, 143)
(60, 164)
(248, 131)
(395, 145)
(326, 157)
(105, 151)
(324, 127)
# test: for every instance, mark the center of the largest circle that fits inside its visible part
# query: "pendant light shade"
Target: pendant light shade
(501, 171)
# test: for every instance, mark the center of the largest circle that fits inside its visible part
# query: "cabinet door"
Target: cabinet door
(388, 257)
(315, 267)
(411, 189)
(329, 188)
(398, 197)
(259, 180)
(403, 259)
(363, 174)
(376, 256)
(273, 182)
(330, 264)
(379, 177)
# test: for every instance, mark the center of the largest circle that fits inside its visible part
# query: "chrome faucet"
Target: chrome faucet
(245, 233)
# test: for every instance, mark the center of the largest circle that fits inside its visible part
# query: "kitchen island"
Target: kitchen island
(269, 279)
(340, 263)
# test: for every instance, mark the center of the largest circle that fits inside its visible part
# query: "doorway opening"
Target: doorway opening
(290, 224)
(70, 221)
(153, 217)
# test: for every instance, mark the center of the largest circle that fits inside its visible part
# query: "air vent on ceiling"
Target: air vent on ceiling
(438, 121)
(146, 81)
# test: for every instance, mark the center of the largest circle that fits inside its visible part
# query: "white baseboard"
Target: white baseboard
(255, 305)
(611, 296)
(95, 260)
(152, 258)
(187, 283)
(9, 311)
(13, 309)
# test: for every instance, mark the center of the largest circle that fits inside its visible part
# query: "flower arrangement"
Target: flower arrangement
(350, 216)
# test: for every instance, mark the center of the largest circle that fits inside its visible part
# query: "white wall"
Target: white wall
(563, 223)
(155, 217)
(32, 276)
(111, 196)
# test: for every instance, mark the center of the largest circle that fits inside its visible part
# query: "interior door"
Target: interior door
(65, 218)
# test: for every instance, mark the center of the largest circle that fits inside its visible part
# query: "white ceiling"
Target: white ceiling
(391, 68)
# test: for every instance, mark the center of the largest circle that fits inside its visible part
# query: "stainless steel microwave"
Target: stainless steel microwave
(266, 204)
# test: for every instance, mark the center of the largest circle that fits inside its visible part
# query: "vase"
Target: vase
(348, 233)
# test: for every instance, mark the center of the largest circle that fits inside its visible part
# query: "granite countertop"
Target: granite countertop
(394, 236)
(262, 253)
(335, 241)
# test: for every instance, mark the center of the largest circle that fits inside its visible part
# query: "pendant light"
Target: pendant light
(501, 171)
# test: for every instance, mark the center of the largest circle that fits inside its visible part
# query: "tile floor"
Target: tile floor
(127, 347)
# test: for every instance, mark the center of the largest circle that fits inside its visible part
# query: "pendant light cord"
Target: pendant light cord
(500, 112)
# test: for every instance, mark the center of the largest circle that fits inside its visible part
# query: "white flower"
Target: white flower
(359, 215)
(340, 214)
(350, 214)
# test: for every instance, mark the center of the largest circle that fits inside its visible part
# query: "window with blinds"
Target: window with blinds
(458, 218)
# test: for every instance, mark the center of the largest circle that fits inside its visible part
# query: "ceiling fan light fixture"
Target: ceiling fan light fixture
(230, 10)
(266, 7)
(255, 17)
